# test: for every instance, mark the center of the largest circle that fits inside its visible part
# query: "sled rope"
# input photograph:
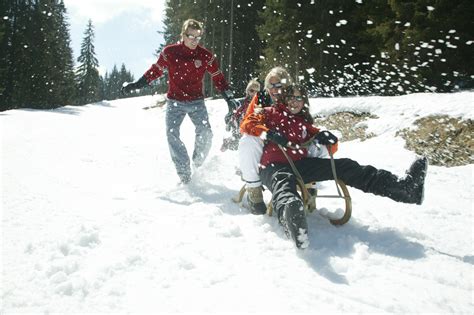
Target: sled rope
(305, 193)
(299, 178)
(333, 167)
(302, 145)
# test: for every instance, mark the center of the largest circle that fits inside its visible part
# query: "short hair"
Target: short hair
(282, 74)
(191, 23)
(252, 84)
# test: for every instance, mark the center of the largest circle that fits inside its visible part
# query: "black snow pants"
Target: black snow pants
(281, 181)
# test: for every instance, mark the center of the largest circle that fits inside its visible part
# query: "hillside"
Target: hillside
(93, 220)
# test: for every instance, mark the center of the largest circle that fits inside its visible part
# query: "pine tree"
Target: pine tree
(113, 82)
(281, 35)
(371, 47)
(16, 56)
(102, 87)
(338, 47)
(124, 76)
(36, 58)
(88, 80)
(53, 77)
(3, 51)
(431, 37)
(246, 46)
(64, 59)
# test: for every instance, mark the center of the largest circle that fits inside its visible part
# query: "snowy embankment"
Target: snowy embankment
(93, 221)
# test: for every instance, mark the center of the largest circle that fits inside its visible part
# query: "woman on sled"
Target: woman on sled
(288, 125)
(251, 147)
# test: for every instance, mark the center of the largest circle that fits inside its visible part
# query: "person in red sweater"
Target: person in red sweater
(187, 62)
(233, 119)
(287, 126)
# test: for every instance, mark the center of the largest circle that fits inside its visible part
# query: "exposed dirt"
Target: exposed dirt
(348, 123)
(446, 141)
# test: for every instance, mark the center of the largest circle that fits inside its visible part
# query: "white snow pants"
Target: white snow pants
(250, 153)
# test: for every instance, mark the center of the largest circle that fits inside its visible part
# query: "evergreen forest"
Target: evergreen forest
(339, 47)
(37, 67)
(334, 47)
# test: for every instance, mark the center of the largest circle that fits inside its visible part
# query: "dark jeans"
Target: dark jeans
(175, 113)
(281, 181)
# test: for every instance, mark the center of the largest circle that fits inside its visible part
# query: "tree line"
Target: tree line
(37, 68)
(338, 47)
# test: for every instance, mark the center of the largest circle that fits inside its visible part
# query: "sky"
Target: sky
(125, 31)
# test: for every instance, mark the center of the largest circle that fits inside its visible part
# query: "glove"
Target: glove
(264, 98)
(128, 87)
(232, 103)
(228, 118)
(229, 121)
(275, 136)
(326, 138)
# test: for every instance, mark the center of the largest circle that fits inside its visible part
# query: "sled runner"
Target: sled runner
(309, 196)
(309, 193)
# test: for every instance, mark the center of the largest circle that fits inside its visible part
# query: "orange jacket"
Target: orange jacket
(253, 122)
(293, 127)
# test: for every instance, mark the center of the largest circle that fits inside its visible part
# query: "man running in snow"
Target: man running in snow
(186, 63)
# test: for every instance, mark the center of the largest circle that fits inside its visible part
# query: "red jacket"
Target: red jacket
(186, 69)
(293, 127)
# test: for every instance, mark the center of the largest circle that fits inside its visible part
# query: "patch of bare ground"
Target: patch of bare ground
(446, 141)
(348, 123)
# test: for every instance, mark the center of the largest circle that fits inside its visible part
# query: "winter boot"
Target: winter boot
(185, 179)
(184, 174)
(416, 180)
(293, 220)
(255, 200)
(407, 190)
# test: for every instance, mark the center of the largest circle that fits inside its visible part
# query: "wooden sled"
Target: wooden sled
(309, 195)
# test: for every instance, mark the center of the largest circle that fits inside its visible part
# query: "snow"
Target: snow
(94, 221)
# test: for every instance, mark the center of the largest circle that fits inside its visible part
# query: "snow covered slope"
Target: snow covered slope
(93, 220)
